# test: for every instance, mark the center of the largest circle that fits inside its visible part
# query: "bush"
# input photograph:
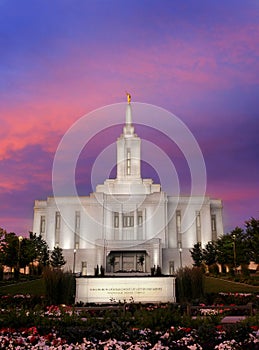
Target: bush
(59, 286)
(157, 317)
(245, 270)
(189, 284)
(1, 273)
(214, 269)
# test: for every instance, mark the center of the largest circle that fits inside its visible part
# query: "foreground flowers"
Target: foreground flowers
(31, 339)
(32, 325)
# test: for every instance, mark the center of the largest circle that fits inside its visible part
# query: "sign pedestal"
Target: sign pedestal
(125, 289)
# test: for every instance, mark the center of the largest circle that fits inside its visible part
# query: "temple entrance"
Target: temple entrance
(127, 261)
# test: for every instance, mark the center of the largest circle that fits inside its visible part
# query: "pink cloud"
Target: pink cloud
(21, 226)
(174, 65)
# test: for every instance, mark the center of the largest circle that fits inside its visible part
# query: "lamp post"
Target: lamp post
(234, 252)
(180, 256)
(74, 261)
(20, 238)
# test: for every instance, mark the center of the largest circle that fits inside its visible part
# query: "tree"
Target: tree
(2, 233)
(233, 249)
(19, 252)
(56, 259)
(16, 252)
(225, 255)
(26, 252)
(196, 253)
(241, 250)
(252, 235)
(10, 252)
(210, 253)
(41, 251)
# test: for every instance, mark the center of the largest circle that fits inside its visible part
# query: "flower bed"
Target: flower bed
(174, 338)
(132, 326)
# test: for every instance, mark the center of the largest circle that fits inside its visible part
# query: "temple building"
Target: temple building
(129, 224)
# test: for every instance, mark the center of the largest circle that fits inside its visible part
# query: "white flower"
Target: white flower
(207, 312)
(194, 347)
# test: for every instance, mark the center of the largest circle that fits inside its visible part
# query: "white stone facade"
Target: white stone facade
(129, 224)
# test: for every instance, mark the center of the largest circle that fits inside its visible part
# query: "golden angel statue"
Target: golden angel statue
(128, 97)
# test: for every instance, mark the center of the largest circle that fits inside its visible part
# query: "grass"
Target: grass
(35, 287)
(216, 285)
(212, 285)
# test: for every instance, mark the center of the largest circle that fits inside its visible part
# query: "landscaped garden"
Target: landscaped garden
(32, 321)
(28, 324)
(37, 311)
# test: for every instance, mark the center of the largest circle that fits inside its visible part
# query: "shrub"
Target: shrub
(214, 269)
(1, 273)
(190, 284)
(59, 286)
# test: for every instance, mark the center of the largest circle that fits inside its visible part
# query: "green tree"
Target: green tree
(2, 233)
(225, 255)
(41, 251)
(9, 251)
(196, 254)
(56, 258)
(15, 252)
(26, 252)
(252, 235)
(241, 250)
(19, 252)
(233, 249)
(209, 253)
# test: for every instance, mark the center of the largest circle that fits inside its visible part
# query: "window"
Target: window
(128, 162)
(77, 230)
(198, 226)
(77, 221)
(178, 227)
(57, 220)
(128, 220)
(116, 220)
(213, 222)
(178, 220)
(214, 227)
(57, 228)
(198, 219)
(42, 224)
(140, 219)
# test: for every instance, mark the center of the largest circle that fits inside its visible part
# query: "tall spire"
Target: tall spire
(128, 150)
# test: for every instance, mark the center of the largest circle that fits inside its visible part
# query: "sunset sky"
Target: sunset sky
(62, 59)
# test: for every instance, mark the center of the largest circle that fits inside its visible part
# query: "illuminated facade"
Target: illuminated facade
(128, 224)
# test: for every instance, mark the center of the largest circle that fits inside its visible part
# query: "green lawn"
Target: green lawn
(35, 287)
(216, 285)
(212, 285)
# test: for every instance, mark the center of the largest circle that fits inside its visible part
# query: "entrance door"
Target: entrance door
(127, 261)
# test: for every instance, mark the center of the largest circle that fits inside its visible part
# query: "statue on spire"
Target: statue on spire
(128, 97)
